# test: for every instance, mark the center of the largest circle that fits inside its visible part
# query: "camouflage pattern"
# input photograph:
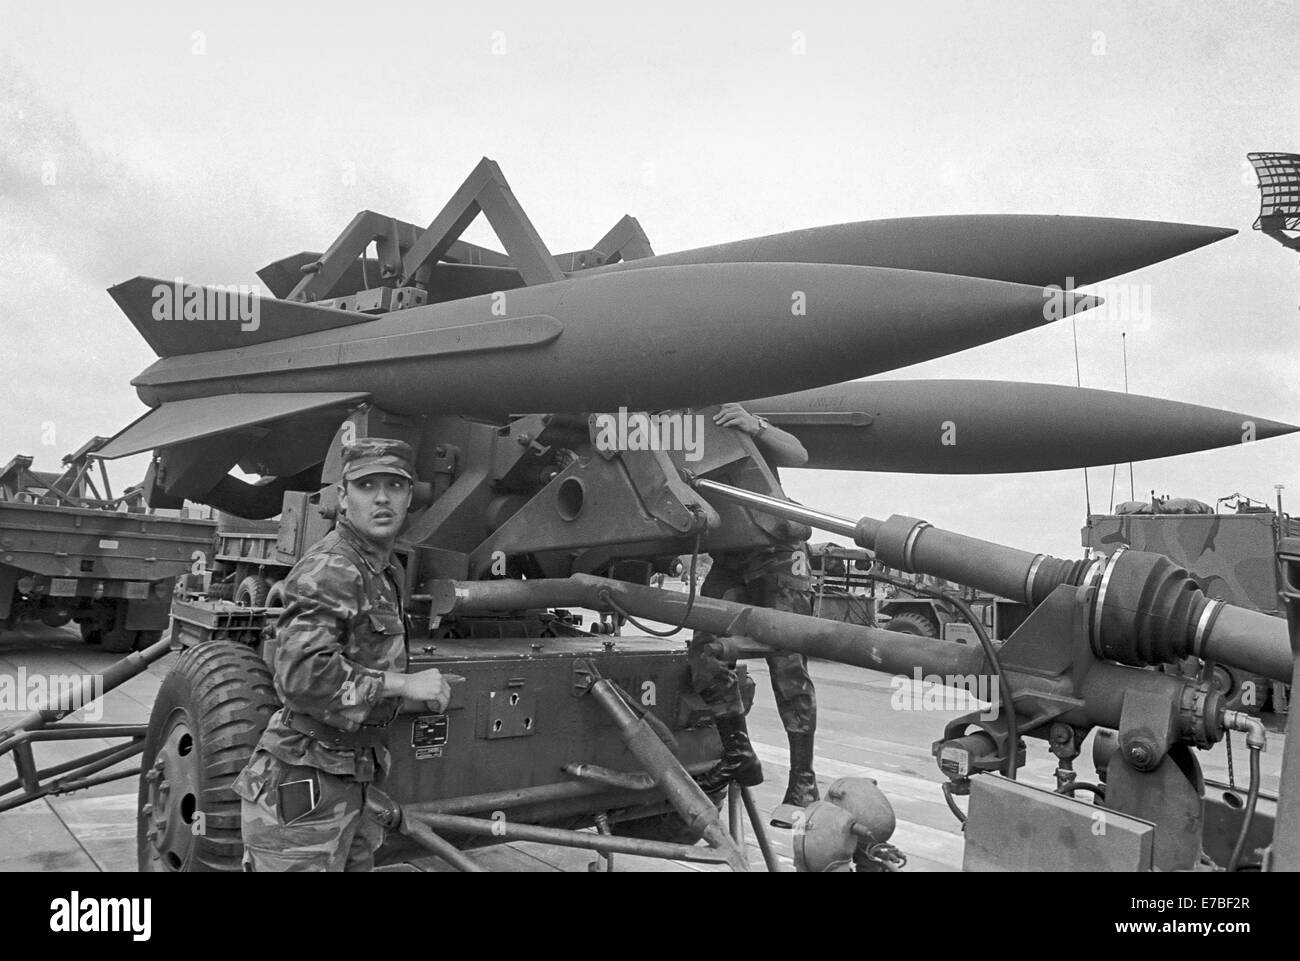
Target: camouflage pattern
(337, 835)
(378, 455)
(343, 625)
(1230, 555)
(775, 579)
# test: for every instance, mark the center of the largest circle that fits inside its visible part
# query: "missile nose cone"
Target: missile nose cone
(1129, 245)
(1005, 427)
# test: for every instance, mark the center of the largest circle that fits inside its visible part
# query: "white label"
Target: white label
(108, 545)
(958, 758)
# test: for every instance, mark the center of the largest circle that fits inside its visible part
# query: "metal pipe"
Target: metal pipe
(1185, 622)
(441, 846)
(760, 833)
(639, 781)
(503, 830)
(686, 797)
(789, 509)
(735, 814)
(868, 647)
(542, 794)
(116, 674)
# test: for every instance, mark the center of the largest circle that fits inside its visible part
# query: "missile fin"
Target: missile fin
(177, 422)
(179, 318)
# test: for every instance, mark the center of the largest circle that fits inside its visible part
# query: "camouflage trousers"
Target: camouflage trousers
(717, 682)
(336, 834)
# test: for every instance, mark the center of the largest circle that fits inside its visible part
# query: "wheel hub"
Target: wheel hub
(171, 812)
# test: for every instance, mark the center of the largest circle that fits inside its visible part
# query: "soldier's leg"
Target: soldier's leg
(796, 699)
(283, 830)
(727, 693)
(715, 680)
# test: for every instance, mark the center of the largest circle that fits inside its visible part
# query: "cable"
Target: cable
(1252, 798)
(1004, 686)
(690, 601)
(1068, 789)
(952, 805)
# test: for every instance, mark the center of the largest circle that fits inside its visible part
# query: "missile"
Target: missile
(1017, 248)
(649, 339)
(995, 427)
(1032, 249)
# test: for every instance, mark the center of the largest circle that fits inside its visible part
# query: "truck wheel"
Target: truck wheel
(207, 718)
(91, 632)
(252, 591)
(910, 623)
(275, 596)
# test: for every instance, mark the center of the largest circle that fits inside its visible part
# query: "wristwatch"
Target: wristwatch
(762, 426)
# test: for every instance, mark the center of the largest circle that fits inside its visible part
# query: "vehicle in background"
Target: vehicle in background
(71, 552)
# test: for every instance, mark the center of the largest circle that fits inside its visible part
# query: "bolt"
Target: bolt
(523, 440)
(1139, 755)
(429, 648)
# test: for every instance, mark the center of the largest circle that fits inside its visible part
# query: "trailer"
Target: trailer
(71, 552)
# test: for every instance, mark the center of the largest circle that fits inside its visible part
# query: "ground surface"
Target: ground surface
(859, 734)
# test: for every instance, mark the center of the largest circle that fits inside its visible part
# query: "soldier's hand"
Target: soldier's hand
(431, 688)
(733, 415)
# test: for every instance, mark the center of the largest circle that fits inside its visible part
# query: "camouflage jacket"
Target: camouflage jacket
(343, 625)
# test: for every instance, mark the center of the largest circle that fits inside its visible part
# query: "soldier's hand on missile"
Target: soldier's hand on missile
(733, 415)
(429, 687)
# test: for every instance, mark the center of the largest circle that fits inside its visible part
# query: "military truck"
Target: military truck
(1230, 549)
(849, 585)
(71, 552)
(249, 559)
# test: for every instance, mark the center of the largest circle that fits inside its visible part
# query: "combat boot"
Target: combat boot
(739, 762)
(802, 789)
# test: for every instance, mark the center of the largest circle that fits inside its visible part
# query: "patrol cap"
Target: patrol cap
(378, 455)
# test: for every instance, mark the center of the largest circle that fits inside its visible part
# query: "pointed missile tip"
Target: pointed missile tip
(1078, 303)
(1273, 428)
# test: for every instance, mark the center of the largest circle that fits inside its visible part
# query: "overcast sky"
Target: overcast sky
(207, 141)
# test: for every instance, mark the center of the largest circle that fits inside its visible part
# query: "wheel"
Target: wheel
(911, 623)
(207, 718)
(91, 632)
(275, 596)
(252, 591)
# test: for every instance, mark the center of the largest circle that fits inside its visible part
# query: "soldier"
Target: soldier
(775, 577)
(339, 670)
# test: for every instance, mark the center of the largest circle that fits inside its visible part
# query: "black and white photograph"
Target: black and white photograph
(651, 439)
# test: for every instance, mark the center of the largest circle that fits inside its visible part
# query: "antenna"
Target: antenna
(1123, 339)
(1078, 382)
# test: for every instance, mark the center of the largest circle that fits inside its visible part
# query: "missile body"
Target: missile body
(992, 427)
(1018, 248)
(647, 339)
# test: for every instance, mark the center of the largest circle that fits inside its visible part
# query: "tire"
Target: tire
(207, 719)
(275, 596)
(252, 591)
(91, 632)
(912, 623)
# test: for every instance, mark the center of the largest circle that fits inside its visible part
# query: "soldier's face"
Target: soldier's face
(377, 503)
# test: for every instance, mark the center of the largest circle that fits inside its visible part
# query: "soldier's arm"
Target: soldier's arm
(781, 448)
(321, 596)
